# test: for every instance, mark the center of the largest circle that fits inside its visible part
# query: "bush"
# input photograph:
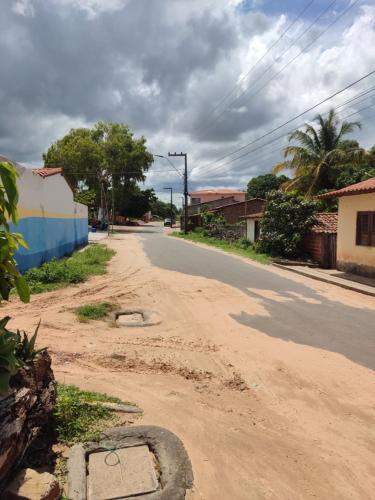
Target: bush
(75, 269)
(287, 219)
(93, 311)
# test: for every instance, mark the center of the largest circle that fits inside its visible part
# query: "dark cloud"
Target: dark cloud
(161, 66)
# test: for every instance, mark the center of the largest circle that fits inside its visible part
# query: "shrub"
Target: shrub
(287, 219)
(74, 269)
(93, 311)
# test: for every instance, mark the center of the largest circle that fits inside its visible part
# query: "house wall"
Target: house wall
(234, 212)
(207, 197)
(51, 223)
(352, 257)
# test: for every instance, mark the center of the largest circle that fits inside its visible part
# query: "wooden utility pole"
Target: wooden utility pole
(186, 193)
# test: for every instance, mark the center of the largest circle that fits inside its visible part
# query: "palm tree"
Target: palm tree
(322, 151)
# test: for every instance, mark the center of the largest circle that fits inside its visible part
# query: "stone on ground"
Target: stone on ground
(32, 485)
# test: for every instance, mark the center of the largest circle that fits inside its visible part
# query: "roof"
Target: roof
(216, 191)
(246, 202)
(363, 187)
(325, 223)
(258, 215)
(47, 172)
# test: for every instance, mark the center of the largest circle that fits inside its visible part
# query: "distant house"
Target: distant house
(207, 195)
(237, 212)
(356, 227)
(51, 223)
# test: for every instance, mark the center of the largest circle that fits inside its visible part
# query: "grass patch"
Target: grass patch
(79, 416)
(69, 270)
(93, 311)
(238, 248)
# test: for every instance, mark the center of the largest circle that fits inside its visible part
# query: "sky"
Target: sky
(206, 77)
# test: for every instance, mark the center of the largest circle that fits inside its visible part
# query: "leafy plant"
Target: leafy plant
(10, 277)
(9, 363)
(16, 348)
(9, 242)
(287, 218)
(25, 349)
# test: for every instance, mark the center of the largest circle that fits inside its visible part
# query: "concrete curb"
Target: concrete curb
(330, 280)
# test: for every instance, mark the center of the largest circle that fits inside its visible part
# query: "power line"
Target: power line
(282, 136)
(243, 77)
(245, 91)
(278, 149)
(292, 119)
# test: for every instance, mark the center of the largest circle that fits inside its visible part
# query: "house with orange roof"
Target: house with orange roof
(356, 227)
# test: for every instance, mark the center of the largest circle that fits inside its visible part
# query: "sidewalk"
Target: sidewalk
(97, 236)
(353, 282)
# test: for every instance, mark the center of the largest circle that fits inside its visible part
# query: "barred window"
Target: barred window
(366, 229)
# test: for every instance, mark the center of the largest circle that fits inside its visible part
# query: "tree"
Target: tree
(93, 157)
(287, 219)
(260, 186)
(320, 155)
(162, 209)
(134, 202)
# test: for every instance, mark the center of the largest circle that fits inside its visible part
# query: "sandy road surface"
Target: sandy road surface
(261, 418)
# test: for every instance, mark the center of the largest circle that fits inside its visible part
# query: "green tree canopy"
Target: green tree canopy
(91, 157)
(260, 186)
(287, 218)
(320, 154)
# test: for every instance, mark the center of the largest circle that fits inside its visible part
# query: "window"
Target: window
(366, 229)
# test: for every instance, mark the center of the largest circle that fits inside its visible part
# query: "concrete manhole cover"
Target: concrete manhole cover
(140, 462)
(121, 473)
(136, 317)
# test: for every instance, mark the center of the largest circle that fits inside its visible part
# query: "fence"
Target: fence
(229, 233)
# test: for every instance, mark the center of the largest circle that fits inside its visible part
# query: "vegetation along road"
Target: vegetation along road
(264, 375)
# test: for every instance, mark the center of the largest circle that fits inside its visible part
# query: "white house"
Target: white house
(51, 222)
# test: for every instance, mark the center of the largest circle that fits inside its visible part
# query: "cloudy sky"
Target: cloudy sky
(201, 76)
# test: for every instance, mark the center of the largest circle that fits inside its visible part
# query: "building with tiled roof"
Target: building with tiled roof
(208, 195)
(356, 227)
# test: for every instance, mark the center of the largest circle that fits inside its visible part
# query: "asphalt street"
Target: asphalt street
(304, 317)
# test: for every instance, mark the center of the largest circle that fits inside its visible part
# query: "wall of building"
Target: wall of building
(234, 213)
(352, 257)
(51, 223)
(207, 197)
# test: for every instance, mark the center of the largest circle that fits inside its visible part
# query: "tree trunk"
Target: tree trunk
(24, 412)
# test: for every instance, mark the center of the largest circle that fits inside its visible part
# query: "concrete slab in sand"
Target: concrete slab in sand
(123, 473)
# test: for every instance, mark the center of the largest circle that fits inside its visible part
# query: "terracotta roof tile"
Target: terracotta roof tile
(325, 223)
(363, 187)
(47, 172)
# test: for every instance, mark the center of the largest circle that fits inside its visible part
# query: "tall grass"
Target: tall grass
(69, 270)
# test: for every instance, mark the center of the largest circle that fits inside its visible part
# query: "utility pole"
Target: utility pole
(185, 190)
(171, 208)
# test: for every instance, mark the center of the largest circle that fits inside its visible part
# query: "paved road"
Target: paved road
(323, 323)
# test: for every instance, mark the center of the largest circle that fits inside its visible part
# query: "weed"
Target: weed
(239, 248)
(93, 311)
(79, 416)
(75, 269)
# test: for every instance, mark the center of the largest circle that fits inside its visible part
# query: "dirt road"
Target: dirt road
(261, 417)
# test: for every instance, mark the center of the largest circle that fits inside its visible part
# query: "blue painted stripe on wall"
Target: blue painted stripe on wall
(48, 238)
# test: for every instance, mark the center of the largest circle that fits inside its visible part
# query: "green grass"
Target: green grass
(93, 311)
(79, 416)
(69, 270)
(238, 248)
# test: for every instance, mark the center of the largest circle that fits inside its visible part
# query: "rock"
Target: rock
(32, 485)
(122, 408)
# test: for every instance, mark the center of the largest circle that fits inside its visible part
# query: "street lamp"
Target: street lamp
(171, 210)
